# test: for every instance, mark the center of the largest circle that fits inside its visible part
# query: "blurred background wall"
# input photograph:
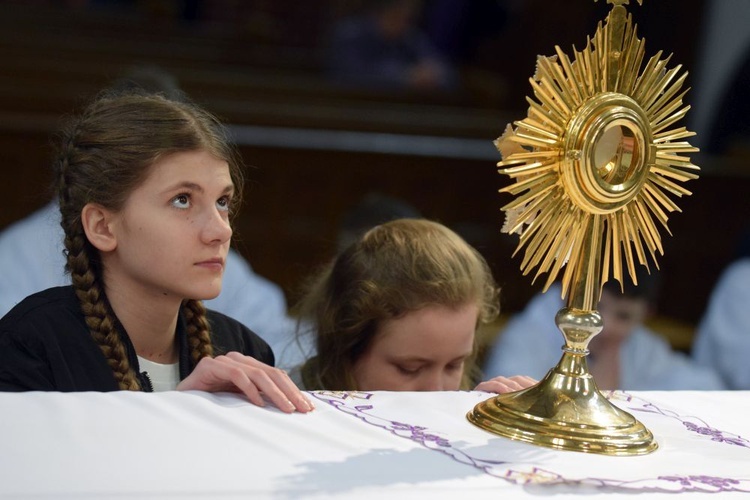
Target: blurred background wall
(315, 145)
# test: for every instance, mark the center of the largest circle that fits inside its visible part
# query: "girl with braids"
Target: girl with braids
(398, 310)
(146, 187)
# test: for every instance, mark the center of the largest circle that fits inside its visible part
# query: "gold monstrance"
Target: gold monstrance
(595, 159)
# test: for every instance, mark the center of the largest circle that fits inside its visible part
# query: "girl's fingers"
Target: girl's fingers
(274, 383)
(501, 385)
(524, 381)
(236, 372)
(229, 370)
(493, 386)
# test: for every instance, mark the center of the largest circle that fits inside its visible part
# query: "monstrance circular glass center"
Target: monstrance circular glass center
(607, 153)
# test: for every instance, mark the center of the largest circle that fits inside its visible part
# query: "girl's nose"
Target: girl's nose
(217, 228)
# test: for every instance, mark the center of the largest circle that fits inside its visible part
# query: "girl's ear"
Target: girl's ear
(96, 221)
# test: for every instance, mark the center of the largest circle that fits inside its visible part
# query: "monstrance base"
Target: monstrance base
(566, 412)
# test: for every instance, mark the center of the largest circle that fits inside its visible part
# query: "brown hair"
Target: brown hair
(395, 268)
(105, 153)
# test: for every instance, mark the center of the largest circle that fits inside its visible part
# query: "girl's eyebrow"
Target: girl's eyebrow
(192, 186)
(462, 357)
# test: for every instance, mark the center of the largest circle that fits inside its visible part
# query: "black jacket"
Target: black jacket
(45, 345)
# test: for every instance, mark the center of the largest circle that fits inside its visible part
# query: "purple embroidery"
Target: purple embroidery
(716, 484)
(717, 435)
(516, 473)
(419, 435)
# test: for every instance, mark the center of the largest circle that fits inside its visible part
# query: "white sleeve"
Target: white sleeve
(31, 257)
(530, 344)
(723, 337)
(648, 363)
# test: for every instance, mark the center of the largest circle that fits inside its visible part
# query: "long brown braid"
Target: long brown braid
(199, 339)
(105, 154)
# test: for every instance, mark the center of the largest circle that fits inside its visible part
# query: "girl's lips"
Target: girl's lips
(211, 264)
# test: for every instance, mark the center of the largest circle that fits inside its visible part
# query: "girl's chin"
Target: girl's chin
(206, 293)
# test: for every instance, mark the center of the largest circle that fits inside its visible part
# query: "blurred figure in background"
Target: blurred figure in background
(371, 210)
(149, 78)
(722, 341)
(383, 47)
(624, 355)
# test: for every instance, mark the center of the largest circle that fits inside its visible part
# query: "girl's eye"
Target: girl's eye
(404, 370)
(454, 367)
(223, 203)
(181, 201)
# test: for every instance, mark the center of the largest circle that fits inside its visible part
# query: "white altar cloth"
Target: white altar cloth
(354, 445)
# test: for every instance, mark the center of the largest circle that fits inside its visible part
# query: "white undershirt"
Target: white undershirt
(163, 377)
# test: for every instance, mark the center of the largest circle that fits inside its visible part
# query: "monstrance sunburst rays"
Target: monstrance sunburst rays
(580, 212)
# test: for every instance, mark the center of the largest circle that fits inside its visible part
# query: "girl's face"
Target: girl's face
(424, 350)
(172, 235)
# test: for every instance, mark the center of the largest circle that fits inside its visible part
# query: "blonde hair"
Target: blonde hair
(105, 153)
(393, 269)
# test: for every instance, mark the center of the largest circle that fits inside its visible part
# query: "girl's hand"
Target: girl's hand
(235, 372)
(501, 385)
